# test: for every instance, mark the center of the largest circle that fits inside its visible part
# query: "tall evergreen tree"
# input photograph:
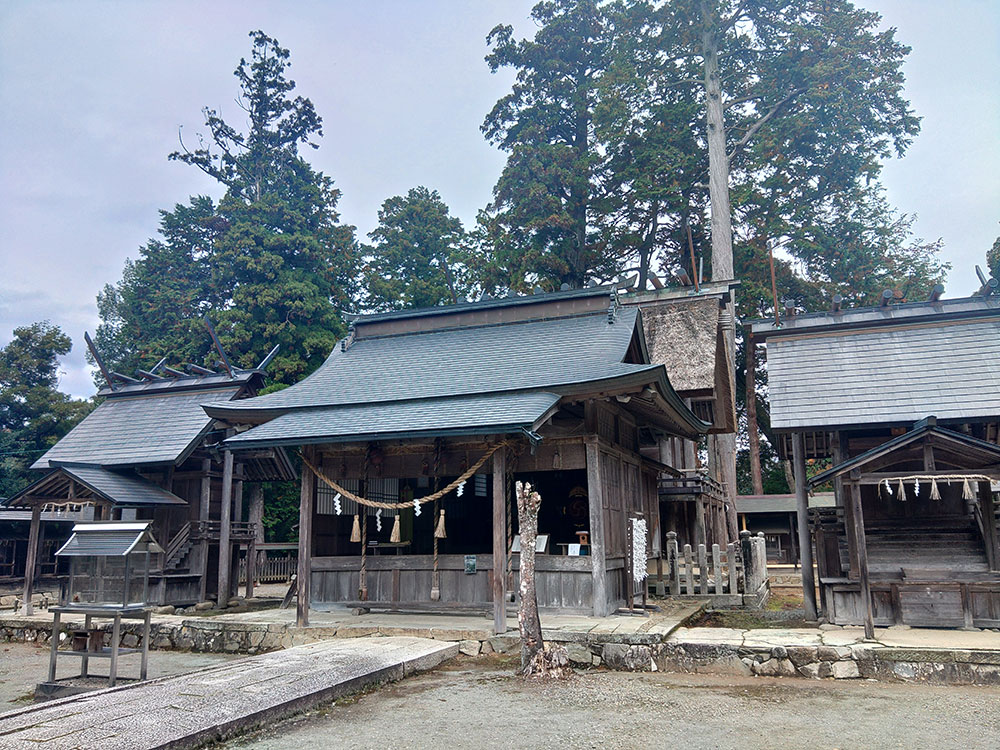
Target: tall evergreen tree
(34, 414)
(271, 263)
(417, 259)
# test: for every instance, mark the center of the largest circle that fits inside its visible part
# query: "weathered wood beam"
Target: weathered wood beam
(500, 501)
(857, 518)
(30, 562)
(204, 504)
(307, 495)
(595, 499)
(225, 518)
(802, 512)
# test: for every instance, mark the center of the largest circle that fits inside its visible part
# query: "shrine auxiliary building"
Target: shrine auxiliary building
(904, 403)
(415, 428)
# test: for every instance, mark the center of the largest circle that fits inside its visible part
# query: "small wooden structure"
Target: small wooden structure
(109, 579)
(905, 402)
(688, 332)
(414, 430)
(149, 452)
(774, 516)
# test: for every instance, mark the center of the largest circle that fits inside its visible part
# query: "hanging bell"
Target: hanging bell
(439, 532)
(967, 493)
(935, 492)
(356, 531)
(394, 536)
(901, 492)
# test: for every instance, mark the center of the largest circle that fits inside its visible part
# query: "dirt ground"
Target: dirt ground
(476, 705)
(24, 665)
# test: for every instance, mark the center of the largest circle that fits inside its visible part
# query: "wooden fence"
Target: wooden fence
(738, 571)
(278, 567)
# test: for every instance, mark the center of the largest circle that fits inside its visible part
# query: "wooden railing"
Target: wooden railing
(212, 530)
(181, 538)
(692, 482)
(271, 569)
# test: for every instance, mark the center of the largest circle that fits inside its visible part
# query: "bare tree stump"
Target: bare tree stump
(536, 660)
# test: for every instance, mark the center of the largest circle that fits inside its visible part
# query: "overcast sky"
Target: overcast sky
(92, 95)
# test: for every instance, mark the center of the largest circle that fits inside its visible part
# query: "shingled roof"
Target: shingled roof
(462, 368)
(158, 422)
(892, 365)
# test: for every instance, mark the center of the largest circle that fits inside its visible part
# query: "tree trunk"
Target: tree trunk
(722, 237)
(534, 658)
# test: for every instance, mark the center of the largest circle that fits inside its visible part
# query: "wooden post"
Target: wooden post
(753, 435)
(225, 549)
(703, 568)
(731, 563)
(862, 552)
(802, 510)
(500, 501)
(988, 509)
(699, 522)
(251, 566)
(116, 636)
(203, 510)
(717, 567)
(32, 557)
(307, 495)
(688, 570)
(673, 569)
(54, 646)
(595, 499)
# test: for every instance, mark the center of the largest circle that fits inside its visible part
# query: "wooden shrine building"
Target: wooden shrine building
(687, 331)
(903, 402)
(415, 428)
(149, 452)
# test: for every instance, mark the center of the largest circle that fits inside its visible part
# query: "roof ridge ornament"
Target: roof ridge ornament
(345, 343)
(613, 307)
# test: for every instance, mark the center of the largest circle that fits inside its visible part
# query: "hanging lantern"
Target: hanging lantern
(356, 531)
(394, 536)
(935, 492)
(439, 532)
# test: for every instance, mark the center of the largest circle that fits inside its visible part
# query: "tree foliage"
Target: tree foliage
(270, 263)
(993, 259)
(34, 414)
(418, 255)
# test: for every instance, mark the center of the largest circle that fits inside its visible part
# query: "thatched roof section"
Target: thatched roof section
(682, 334)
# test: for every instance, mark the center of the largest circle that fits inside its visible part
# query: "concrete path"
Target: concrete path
(218, 702)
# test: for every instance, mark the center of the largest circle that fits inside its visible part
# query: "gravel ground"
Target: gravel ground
(471, 704)
(24, 665)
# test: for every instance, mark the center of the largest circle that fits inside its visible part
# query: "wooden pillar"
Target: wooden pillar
(699, 522)
(32, 558)
(751, 401)
(988, 509)
(307, 495)
(802, 511)
(238, 493)
(225, 548)
(858, 520)
(256, 517)
(500, 501)
(203, 509)
(598, 549)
